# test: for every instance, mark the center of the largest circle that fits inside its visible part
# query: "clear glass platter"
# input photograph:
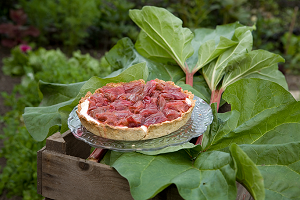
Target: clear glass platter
(196, 126)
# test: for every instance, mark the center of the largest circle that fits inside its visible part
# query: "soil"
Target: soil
(7, 83)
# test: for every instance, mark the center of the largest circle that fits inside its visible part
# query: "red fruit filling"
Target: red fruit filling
(135, 104)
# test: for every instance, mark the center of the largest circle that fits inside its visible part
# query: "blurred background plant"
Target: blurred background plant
(68, 28)
(14, 34)
(19, 175)
(63, 21)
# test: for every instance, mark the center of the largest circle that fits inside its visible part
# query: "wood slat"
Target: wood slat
(67, 177)
(67, 144)
(39, 170)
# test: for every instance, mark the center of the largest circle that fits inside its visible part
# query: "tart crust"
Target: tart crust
(137, 133)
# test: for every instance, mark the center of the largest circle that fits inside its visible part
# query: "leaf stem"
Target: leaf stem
(216, 97)
(97, 155)
(189, 76)
(199, 140)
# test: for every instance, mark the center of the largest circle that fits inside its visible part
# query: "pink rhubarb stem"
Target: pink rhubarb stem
(215, 98)
(97, 155)
(189, 78)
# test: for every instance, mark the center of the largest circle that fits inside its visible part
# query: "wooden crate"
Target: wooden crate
(64, 173)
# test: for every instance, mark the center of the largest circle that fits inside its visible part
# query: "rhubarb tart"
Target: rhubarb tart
(136, 110)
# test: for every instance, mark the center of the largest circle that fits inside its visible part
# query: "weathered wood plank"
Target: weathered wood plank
(67, 144)
(39, 170)
(67, 177)
(75, 147)
(56, 143)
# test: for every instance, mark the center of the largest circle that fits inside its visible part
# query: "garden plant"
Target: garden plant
(20, 149)
(256, 143)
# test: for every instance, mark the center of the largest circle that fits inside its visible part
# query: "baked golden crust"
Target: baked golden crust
(137, 133)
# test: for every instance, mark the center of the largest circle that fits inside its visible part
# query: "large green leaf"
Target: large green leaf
(252, 96)
(43, 121)
(203, 35)
(162, 29)
(280, 167)
(268, 114)
(124, 55)
(40, 121)
(54, 93)
(211, 176)
(271, 73)
(169, 149)
(146, 47)
(222, 124)
(253, 63)
(209, 51)
(247, 173)
(214, 72)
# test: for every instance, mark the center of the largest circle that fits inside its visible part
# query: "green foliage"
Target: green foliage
(69, 18)
(115, 20)
(209, 13)
(42, 64)
(19, 175)
(291, 44)
(14, 65)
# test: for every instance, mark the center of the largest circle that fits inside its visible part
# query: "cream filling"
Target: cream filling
(84, 109)
(188, 101)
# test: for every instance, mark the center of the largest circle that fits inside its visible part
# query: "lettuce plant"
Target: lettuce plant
(256, 143)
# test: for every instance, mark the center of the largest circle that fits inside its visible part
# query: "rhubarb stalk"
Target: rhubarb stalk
(189, 76)
(97, 155)
(216, 97)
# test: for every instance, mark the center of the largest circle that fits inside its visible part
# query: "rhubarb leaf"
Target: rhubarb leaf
(248, 173)
(54, 93)
(203, 35)
(253, 63)
(209, 51)
(268, 114)
(146, 47)
(169, 149)
(165, 30)
(214, 72)
(271, 73)
(124, 55)
(257, 96)
(280, 167)
(211, 176)
(43, 121)
(222, 124)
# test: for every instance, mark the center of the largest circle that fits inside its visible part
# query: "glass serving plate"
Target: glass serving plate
(196, 126)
